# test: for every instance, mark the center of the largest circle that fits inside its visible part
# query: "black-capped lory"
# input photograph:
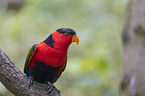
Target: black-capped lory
(47, 60)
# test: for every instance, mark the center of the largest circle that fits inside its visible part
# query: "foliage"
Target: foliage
(94, 65)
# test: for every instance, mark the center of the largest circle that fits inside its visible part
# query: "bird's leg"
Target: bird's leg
(30, 81)
(50, 87)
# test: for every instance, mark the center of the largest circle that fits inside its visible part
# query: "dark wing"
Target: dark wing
(29, 57)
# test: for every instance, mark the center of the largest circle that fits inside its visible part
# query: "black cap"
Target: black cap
(64, 30)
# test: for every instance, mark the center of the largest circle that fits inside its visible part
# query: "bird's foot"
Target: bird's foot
(30, 81)
(50, 87)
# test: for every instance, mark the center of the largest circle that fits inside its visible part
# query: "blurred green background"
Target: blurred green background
(93, 67)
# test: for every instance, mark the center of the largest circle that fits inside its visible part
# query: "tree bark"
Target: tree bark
(17, 82)
(133, 67)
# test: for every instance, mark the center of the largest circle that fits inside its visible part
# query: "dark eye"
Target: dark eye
(66, 34)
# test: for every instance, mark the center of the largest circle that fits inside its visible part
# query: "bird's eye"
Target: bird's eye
(66, 34)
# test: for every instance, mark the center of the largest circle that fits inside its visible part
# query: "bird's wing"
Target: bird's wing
(29, 57)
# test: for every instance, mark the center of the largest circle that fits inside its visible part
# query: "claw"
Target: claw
(30, 81)
(50, 87)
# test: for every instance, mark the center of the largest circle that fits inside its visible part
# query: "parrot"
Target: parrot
(46, 60)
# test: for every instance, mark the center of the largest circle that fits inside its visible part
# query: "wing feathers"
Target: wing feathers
(29, 57)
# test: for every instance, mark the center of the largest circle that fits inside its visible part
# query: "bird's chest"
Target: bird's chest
(51, 57)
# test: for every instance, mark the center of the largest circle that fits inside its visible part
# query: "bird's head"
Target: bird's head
(63, 37)
(69, 33)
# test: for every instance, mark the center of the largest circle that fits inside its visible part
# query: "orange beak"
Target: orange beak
(75, 38)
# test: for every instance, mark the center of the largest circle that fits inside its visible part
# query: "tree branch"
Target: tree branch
(17, 82)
